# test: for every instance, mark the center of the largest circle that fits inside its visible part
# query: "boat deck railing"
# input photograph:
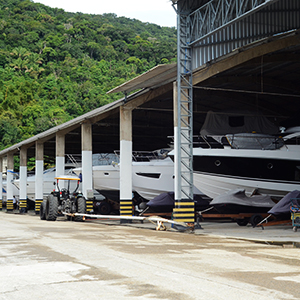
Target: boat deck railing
(242, 141)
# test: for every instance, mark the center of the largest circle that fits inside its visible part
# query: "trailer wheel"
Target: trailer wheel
(242, 222)
(255, 219)
(51, 208)
(81, 209)
(105, 208)
(43, 210)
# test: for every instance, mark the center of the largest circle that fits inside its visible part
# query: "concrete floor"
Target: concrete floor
(106, 260)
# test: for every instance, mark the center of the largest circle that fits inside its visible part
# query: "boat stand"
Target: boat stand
(242, 219)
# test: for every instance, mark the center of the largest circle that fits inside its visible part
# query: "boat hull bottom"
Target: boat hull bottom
(214, 185)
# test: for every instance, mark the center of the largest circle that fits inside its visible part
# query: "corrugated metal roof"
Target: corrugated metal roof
(157, 76)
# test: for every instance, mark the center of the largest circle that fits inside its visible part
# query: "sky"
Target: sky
(159, 12)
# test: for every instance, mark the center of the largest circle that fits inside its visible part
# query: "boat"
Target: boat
(244, 150)
(152, 174)
(106, 174)
(236, 201)
(49, 179)
(14, 187)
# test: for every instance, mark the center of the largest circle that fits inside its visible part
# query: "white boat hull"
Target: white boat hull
(150, 179)
(106, 177)
(214, 185)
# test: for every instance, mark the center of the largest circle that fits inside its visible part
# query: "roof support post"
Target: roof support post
(9, 184)
(126, 205)
(60, 157)
(1, 183)
(184, 203)
(87, 164)
(39, 170)
(23, 179)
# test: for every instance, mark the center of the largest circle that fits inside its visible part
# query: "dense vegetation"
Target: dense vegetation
(56, 65)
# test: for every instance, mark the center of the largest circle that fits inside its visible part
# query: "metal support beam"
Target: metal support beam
(184, 204)
(218, 14)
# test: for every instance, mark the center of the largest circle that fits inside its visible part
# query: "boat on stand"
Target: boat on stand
(152, 174)
(246, 151)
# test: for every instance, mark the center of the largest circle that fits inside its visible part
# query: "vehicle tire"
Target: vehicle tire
(43, 210)
(105, 208)
(81, 209)
(51, 208)
(255, 219)
(242, 222)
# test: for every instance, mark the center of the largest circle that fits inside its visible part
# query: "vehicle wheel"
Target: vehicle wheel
(105, 208)
(255, 219)
(81, 209)
(51, 208)
(242, 222)
(43, 210)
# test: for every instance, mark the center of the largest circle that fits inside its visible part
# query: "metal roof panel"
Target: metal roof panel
(158, 75)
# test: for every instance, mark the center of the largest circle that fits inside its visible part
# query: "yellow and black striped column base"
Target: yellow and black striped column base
(1, 204)
(89, 205)
(184, 211)
(38, 203)
(126, 209)
(9, 205)
(23, 205)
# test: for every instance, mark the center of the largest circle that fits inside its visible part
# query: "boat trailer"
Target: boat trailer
(156, 220)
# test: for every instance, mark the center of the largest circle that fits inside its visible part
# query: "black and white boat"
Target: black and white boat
(246, 151)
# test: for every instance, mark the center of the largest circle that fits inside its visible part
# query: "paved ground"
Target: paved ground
(106, 260)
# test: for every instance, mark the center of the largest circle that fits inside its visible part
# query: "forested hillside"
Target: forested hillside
(56, 65)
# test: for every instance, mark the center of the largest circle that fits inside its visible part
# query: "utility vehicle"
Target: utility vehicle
(63, 201)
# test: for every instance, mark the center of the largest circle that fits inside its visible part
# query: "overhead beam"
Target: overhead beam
(241, 56)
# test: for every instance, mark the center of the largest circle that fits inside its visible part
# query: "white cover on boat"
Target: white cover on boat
(221, 123)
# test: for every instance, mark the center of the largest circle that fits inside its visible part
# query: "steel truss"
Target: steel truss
(217, 14)
(184, 177)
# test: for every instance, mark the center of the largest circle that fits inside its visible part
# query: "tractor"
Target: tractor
(63, 202)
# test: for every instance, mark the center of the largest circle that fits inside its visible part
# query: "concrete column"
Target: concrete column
(126, 205)
(87, 164)
(23, 179)
(39, 169)
(60, 158)
(9, 184)
(1, 183)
